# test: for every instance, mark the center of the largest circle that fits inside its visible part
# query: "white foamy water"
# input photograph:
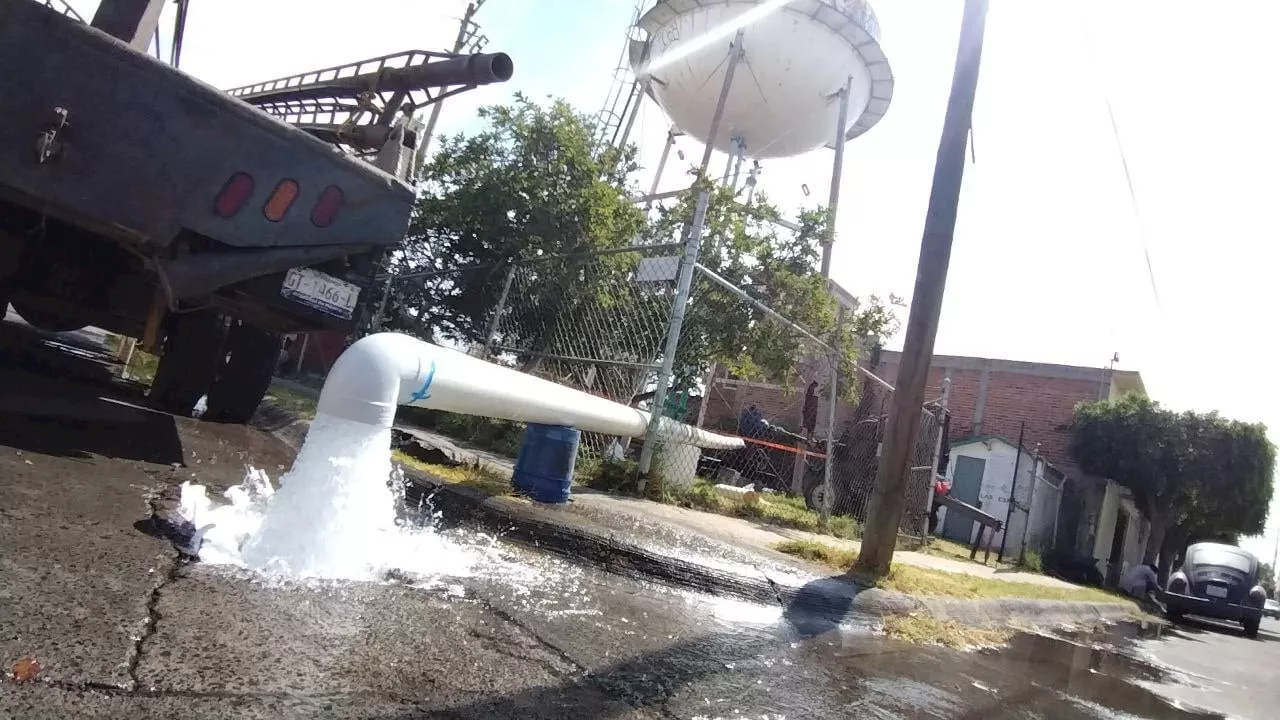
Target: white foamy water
(334, 516)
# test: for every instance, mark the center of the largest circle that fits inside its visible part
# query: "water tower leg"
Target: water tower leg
(685, 280)
(639, 89)
(728, 163)
(737, 163)
(735, 55)
(837, 169)
(662, 165)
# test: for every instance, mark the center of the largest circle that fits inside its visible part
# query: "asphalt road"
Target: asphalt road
(1220, 667)
(124, 627)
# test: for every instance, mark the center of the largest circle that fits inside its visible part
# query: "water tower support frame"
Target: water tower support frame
(837, 172)
(684, 281)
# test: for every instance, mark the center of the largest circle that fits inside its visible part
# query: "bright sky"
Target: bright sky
(1048, 263)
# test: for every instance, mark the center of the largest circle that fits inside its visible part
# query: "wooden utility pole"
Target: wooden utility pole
(888, 498)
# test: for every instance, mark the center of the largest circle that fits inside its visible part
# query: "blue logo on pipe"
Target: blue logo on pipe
(424, 392)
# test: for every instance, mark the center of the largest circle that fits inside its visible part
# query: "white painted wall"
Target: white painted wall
(1117, 499)
(997, 483)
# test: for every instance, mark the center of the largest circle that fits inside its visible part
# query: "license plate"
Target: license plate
(1215, 591)
(321, 291)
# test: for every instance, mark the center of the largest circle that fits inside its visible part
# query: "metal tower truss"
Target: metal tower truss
(356, 106)
(63, 7)
(622, 104)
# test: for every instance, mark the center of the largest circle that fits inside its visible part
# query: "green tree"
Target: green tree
(1267, 578)
(746, 246)
(527, 186)
(1193, 475)
(531, 189)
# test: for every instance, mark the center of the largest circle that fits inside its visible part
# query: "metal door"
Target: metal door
(966, 483)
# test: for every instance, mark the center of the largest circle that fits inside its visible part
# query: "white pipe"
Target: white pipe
(382, 371)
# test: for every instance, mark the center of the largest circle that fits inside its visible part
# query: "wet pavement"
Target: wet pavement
(123, 627)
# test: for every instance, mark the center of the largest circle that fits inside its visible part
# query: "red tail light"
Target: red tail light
(233, 195)
(326, 208)
(281, 198)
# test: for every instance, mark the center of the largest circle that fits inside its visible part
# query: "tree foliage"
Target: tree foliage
(1267, 578)
(531, 186)
(1199, 475)
(746, 246)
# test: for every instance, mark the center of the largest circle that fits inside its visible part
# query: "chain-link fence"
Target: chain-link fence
(598, 321)
(790, 420)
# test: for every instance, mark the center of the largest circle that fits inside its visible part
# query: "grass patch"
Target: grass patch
(1032, 562)
(940, 547)
(498, 436)
(487, 481)
(952, 550)
(814, 551)
(924, 582)
(292, 401)
(779, 510)
(141, 366)
(605, 475)
(922, 628)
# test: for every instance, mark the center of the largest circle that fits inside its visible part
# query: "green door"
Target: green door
(966, 483)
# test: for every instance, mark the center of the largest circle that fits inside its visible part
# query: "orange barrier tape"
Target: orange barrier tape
(786, 448)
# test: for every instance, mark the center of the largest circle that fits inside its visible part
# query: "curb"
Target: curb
(814, 606)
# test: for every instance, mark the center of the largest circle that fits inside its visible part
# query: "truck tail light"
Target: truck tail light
(281, 198)
(233, 195)
(327, 206)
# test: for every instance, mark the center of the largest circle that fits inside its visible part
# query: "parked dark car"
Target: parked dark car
(1217, 581)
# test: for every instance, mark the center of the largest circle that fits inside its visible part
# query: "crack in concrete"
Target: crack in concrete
(166, 576)
(508, 617)
(495, 645)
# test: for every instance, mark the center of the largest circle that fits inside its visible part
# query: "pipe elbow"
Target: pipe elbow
(365, 383)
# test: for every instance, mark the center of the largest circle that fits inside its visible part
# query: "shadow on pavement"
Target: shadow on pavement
(68, 420)
(648, 681)
(820, 606)
(1189, 627)
(58, 397)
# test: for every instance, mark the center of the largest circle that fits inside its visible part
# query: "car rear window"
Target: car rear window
(1223, 558)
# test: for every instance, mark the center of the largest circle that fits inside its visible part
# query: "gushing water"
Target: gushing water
(333, 516)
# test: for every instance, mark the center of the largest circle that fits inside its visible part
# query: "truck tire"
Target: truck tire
(814, 491)
(1251, 626)
(192, 350)
(243, 380)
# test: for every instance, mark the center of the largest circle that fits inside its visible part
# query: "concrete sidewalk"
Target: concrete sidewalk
(647, 518)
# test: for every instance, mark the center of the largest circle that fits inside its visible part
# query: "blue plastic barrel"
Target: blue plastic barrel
(544, 467)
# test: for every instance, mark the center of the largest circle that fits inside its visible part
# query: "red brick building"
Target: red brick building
(997, 397)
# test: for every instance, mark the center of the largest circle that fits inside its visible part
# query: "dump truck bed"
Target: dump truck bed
(146, 150)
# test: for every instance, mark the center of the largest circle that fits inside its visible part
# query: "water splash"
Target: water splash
(334, 516)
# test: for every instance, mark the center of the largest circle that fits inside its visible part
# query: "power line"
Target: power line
(1124, 163)
(1133, 198)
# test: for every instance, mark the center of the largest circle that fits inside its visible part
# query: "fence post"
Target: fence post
(937, 452)
(491, 337)
(833, 390)
(684, 284)
(1031, 503)
(376, 323)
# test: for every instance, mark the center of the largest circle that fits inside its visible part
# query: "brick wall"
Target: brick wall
(994, 397)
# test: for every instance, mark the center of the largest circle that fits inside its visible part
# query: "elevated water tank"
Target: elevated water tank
(798, 55)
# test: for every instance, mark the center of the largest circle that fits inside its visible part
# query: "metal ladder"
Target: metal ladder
(355, 105)
(624, 93)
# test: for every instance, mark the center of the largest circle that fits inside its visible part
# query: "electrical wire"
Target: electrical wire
(1124, 163)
